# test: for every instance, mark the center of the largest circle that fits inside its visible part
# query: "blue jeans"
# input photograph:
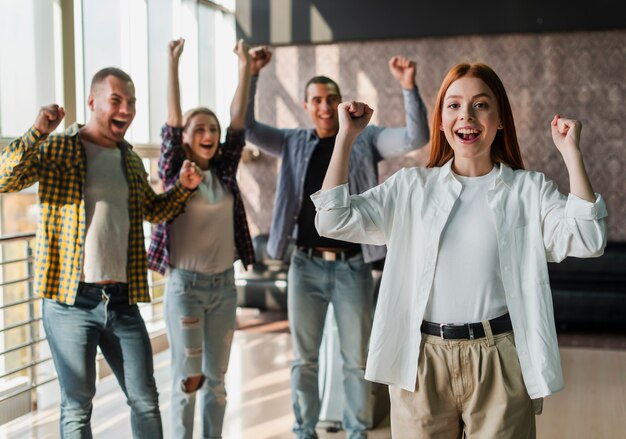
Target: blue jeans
(200, 313)
(348, 285)
(101, 317)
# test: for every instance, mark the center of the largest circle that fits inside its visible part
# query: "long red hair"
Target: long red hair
(505, 147)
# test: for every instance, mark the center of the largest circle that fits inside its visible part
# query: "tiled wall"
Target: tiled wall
(579, 75)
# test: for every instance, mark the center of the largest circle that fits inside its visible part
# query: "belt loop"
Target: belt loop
(309, 252)
(488, 333)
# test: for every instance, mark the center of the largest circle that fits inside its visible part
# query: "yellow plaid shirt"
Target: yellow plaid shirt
(58, 163)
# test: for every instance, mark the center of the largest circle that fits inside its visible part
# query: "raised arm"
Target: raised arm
(268, 138)
(19, 161)
(392, 142)
(572, 226)
(566, 137)
(240, 100)
(353, 118)
(353, 218)
(174, 112)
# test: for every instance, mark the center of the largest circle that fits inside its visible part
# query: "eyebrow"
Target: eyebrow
(115, 95)
(479, 95)
(328, 96)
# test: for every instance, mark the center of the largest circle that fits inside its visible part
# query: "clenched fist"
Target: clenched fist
(260, 57)
(49, 118)
(403, 71)
(190, 175)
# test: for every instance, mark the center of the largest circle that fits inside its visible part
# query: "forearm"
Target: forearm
(268, 138)
(338, 169)
(239, 105)
(394, 142)
(19, 161)
(174, 112)
(416, 118)
(580, 185)
(167, 205)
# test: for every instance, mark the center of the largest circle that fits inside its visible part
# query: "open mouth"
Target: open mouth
(121, 124)
(206, 146)
(467, 134)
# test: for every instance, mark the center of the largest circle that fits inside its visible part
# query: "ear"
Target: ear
(440, 127)
(500, 125)
(90, 102)
(305, 106)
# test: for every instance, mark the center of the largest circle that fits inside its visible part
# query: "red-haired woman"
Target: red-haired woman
(464, 328)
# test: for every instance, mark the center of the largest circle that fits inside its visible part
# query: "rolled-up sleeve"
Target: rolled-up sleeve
(352, 218)
(576, 229)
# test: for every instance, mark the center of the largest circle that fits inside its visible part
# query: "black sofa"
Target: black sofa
(591, 293)
(264, 284)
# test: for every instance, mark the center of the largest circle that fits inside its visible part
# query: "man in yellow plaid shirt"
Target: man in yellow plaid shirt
(90, 259)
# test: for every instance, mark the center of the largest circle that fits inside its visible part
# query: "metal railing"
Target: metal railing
(32, 339)
(33, 335)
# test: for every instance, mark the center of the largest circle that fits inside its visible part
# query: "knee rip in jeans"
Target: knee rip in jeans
(192, 384)
(189, 322)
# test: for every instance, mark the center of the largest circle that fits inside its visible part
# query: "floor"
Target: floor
(593, 405)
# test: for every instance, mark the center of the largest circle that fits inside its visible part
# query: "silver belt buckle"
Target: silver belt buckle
(441, 326)
(329, 256)
(471, 331)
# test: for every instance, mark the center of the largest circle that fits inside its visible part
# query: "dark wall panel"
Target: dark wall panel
(317, 21)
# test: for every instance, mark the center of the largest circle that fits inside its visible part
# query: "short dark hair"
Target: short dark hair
(320, 80)
(102, 74)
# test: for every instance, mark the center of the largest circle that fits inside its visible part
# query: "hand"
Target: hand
(566, 135)
(242, 51)
(49, 118)
(403, 70)
(260, 57)
(176, 49)
(353, 117)
(190, 175)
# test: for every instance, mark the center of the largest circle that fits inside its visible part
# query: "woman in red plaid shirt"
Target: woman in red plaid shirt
(198, 249)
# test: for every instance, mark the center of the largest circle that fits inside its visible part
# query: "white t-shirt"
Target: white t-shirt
(106, 209)
(202, 239)
(468, 285)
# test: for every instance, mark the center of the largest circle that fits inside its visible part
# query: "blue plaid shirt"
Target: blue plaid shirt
(296, 146)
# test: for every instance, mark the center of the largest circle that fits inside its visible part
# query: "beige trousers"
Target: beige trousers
(465, 389)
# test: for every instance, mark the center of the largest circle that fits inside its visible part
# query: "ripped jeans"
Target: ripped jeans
(200, 315)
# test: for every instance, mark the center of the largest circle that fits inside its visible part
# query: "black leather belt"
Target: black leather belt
(329, 255)
(467, 331)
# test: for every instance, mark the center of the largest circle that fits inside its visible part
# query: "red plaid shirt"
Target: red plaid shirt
(225, 168)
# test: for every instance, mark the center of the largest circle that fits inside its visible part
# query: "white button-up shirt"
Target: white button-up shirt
(535, 224)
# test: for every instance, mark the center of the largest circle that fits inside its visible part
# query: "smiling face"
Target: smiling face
(470, 121)
(321, 104)
(202, 135)
(112, 104)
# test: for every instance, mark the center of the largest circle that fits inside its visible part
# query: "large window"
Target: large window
(49, 51)
(30, 61)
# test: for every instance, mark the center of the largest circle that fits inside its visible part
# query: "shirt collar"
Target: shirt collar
(73, 129)
(505, 174)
